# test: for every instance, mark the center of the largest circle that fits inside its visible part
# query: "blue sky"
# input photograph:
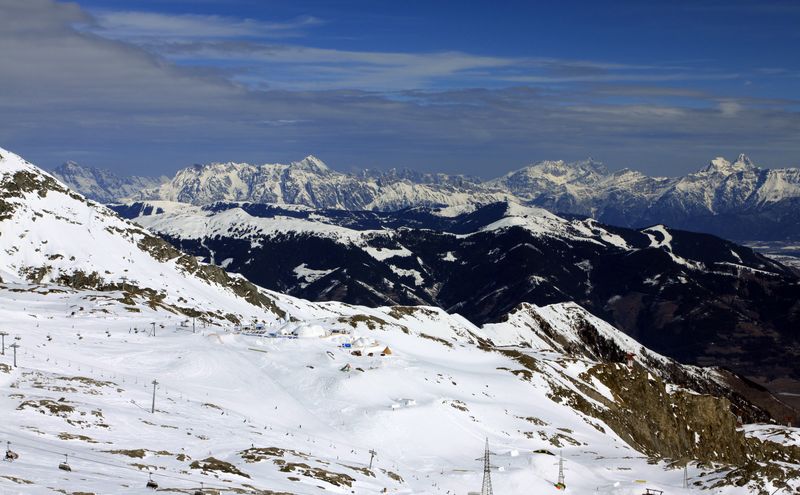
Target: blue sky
(460, 87)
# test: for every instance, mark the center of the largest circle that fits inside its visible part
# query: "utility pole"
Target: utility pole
(372, 455)
(3, 339)
(686, 475)
(153, 406)
(14, 346)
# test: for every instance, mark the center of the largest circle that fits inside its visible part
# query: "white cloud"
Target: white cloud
(241, 46)
(730, 108)
(133, 25)
(261, 64)
(293, 66)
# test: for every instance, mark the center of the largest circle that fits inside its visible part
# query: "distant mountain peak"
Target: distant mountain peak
(311, 162)
(723, 166)
(596, 165)
(745, 161)
(556, 172)
(71, 168)
(70, 164)
(587, 165)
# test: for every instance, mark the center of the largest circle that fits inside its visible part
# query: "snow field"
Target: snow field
(220, 393)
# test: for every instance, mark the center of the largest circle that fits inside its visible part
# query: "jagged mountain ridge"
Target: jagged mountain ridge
(103, 185)
(310, 182)
(691, 296)
(736, 200)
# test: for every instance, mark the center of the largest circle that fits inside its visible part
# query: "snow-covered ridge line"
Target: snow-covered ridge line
(51, 235)
(625, 197)
(186, 221)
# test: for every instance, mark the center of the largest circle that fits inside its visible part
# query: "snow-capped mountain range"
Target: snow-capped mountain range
(103, 185)
(736, 200)
(277, 395)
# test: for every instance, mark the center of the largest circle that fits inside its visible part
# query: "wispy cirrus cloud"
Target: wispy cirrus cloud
(291, 65)
(305, 67)
(246, 50)
(147, 26)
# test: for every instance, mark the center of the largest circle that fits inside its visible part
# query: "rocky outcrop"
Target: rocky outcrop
(678, 424)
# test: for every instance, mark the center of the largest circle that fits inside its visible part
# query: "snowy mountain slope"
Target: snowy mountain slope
(247, 221)
(52, 235)
(250, 408)
(102, 185)
(425, 409)
(569, 329)
(359, 258)
(691, 296)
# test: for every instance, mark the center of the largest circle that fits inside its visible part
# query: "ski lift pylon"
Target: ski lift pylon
(201, 491)
(64, 466)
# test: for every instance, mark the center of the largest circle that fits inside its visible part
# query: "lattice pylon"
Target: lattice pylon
(561, 484)
(486, 488)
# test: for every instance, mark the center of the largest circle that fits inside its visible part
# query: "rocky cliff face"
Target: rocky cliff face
(677, 424)
(668, 410)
